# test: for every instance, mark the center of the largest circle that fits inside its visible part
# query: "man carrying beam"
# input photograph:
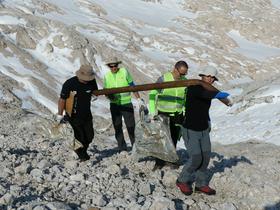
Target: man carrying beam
(120, 103)
(170, 102)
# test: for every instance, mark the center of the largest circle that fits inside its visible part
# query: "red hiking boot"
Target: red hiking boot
(206, 190)
(184, 187)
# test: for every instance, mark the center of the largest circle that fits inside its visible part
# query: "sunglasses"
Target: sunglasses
(181, 74)
(112, 65)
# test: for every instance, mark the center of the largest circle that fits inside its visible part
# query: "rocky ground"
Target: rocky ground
(40, 48)
(41, 172)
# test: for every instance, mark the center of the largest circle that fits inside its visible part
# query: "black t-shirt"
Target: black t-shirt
(81, 106)
(198, 102)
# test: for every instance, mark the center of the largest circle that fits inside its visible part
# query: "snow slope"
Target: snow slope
(150, 37)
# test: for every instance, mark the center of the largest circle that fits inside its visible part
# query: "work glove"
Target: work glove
(111, 96)
(141, 102)
(221, 95)
(231, 102)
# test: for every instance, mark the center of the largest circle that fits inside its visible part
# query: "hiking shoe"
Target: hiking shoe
(184, 187)
(206, 190)
(84, 157)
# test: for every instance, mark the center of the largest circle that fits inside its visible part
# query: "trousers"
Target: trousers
(126, 112)
(199, 149)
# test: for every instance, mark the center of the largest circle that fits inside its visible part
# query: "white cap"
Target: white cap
(209, 71)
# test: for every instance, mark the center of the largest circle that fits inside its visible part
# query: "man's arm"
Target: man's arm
(200, 92)
(61, 106)
(64, 94)
(95, 86)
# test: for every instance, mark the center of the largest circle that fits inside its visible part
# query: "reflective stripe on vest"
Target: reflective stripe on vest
(171, 99)
(115, 80)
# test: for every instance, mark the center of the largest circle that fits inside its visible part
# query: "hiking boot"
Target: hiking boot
(206, 190)
(84, 157)
(184, 187)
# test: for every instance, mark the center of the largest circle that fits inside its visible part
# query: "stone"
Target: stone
(162, 203)
(70, 164)
(99, 200)
(203, 206)
(44, 164)
(49, 48)
(227, 206)
(77, 177)
(113, 169)
(24, 40)
(37, 174)
(145, 189)
(169, 179)
(7, 199)
(58, 206)
(40, 207)
(58, 42)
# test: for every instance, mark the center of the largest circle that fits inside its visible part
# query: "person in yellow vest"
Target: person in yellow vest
(120, 104)
(170, 102)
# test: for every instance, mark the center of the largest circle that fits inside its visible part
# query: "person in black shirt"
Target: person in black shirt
(196, 134)
(78, 90)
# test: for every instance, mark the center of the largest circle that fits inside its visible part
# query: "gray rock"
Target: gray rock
(77, 177)
(7, 199)
(99, 200)
(203, 206)
(169, 179)
(37, 174)
(58, 42)
(3, 190)
(145, 189)
(40, 207)
(70, 164)
(189, 202)
(44, 164)
(162, 203)
(24, 40)
(15, 190)
(227, 206)
(58, 206)
(49, 48)
(113, 169)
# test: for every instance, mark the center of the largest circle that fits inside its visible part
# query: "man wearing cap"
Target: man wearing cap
(79, 117)
(196, 134)
(170, 102)
(120, 104)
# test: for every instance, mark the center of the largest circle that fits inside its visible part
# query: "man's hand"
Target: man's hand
(141, 102)
(230, 101)
(111, 96)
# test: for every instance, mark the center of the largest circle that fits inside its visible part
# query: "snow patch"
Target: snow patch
(254, 50)
(276, 3)
(10, 20)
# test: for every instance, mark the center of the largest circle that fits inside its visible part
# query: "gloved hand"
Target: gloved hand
(221, 95)
(111, 96)
(141, 102)
(230, 103)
